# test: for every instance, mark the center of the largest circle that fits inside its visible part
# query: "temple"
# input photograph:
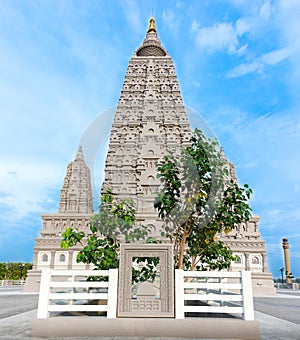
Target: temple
(149, 120)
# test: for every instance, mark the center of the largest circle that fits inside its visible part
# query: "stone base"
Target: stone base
(32, 284)
(263, 284)
(142, 327)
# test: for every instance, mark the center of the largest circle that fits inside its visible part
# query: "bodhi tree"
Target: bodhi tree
(197, 202)
(114, 223)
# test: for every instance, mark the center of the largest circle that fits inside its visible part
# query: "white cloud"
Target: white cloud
(242, 26)
(132, 14)
(257, 7)
(281, 19)
(245, 69)
(265, 10)
(195, 26)
(179, 4)
(25, 186)
(225, 36)
(276, 56)
(292, 5)
(222, 36)
(260, 17)
(258, 65)
(218, 37)
(242, 50)
(288, 23)
(170, 20)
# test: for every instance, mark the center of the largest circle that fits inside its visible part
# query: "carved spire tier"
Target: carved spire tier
(151, 45)
(76, 194)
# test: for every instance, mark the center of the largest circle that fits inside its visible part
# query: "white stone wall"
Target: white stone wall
(43, 259)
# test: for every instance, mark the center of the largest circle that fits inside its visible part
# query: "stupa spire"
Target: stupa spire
(79, 156)
(151, 27)
(151, 45)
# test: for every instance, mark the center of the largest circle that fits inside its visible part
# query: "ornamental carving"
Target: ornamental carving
(147, 302)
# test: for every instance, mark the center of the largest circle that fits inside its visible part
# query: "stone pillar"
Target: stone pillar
(35, 259)
(264, 262)
(286, 246)
(247, 263)
(52, 260)
(70, 263)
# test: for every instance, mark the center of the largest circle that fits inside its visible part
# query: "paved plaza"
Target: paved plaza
(279, 316)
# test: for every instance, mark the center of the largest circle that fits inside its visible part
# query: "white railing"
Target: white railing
(69, 291)
(10, 283)
(213, 292)
(195, 292)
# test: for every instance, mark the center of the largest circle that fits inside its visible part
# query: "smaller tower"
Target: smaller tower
(286, 246)
(76, 194)
(75, 210)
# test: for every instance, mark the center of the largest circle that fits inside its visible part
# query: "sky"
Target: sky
(62, 64)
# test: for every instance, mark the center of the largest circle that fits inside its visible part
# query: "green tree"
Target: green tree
(3, 271)
(114, 223)
(197, 202)
(14, 270)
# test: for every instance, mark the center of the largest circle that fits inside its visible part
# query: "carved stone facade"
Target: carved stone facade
(150, 119)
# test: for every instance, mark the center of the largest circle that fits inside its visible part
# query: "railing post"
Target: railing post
(42, 312)
(179, 294)
(247, 295)
(112, 298)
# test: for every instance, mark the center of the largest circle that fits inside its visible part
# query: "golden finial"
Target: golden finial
(152, 27)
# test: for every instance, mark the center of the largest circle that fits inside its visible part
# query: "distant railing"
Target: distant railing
(10, 283)
(71, 292)
(213, 292)
(294, 285)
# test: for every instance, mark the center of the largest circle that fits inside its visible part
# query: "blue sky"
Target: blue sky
(62, 63)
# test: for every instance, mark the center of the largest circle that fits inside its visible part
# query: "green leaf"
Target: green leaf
(196, 202)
